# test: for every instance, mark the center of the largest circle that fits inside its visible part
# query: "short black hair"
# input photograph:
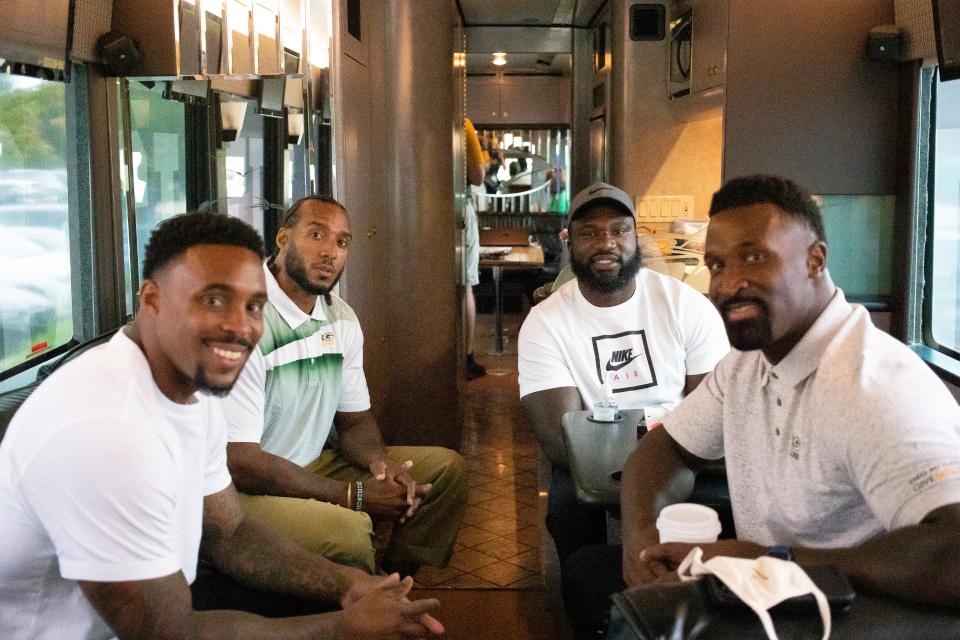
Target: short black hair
(292, 216)
(175, 235)
(781, 192)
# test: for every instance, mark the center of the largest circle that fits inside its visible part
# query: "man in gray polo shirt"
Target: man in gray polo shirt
(842, 447)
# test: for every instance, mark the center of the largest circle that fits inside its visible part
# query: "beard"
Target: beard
(294, 266)
(208, 388)
(605, 281)
(751, 334)
(205, 386)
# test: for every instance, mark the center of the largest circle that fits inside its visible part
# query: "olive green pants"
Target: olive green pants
(345, 536)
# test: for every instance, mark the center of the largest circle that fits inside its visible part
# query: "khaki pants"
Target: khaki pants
(344, 536)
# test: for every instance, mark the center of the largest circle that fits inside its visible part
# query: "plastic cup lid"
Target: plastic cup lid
(687, 519)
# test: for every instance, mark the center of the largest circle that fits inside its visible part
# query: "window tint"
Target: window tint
(945, 277)
(295, 172)
(244, 166)
(157, 156)
(35, 298)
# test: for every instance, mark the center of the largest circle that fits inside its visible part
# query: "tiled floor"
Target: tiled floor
(502, 540)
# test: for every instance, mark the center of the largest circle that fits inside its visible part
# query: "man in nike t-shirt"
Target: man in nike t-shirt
(651, 337)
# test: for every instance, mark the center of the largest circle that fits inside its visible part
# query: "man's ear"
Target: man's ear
(816, 259)
(149, 296)
(283, 234)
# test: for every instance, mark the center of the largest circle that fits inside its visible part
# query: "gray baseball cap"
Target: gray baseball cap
(600, 193)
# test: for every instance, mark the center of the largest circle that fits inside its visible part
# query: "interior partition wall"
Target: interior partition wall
(422, 399)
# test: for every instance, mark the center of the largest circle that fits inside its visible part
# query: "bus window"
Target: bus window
(244, 166)
(35, 297)
(295, 171)
(944, 321)
(157, 157)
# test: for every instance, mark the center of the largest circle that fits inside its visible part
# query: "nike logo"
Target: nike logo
(619, 359)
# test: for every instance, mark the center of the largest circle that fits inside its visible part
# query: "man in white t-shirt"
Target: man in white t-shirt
(842, 447)
(651, 337)
(113, 474)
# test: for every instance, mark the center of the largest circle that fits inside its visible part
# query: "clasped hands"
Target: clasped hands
(646, 560)
(392, 493)
(378, 607)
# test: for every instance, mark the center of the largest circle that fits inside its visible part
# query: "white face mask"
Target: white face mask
(760, 583)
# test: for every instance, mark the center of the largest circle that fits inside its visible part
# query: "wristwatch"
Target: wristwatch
(782, 551)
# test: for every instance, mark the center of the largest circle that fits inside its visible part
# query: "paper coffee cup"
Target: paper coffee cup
(686, 522)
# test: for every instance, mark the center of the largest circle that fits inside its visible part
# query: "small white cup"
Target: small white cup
(687, 522)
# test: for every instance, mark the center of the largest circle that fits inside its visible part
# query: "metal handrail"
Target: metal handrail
(512, 195)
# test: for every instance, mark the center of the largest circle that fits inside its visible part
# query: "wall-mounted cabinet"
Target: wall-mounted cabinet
(518, 100)
(34, 31)
(698, 58)
(228, 37)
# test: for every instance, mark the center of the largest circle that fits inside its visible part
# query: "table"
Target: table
(596, 450)
(529, 257)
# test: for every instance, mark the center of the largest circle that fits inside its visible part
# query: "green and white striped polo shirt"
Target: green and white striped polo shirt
(306, 368)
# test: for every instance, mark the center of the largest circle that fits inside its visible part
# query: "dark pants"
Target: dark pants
(572, 525)
(587, 580)
(213, 590)
(576, 529)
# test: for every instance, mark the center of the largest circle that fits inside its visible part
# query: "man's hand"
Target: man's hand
(656, 562)
(636, 568)
(377, 607)
(384, 469)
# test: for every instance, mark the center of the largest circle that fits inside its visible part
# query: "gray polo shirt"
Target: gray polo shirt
(849, 435)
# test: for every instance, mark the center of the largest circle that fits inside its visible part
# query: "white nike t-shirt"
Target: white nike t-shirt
(644, 347)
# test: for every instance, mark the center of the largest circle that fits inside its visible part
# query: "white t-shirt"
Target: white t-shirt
(307, 367)
(849, 435)
(645, 347)
(102, 478)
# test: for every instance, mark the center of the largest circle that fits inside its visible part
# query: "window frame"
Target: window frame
(74, 111)
(926, 322)
(944, 360)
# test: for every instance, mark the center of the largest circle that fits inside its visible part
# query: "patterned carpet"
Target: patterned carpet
(501, 544)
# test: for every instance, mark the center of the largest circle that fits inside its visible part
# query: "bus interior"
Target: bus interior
(118, 114)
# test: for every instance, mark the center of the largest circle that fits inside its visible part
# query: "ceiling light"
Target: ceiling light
(500, 58)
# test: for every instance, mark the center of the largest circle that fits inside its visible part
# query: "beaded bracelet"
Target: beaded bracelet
(359, 505)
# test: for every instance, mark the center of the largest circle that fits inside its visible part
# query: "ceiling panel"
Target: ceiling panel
(532, 63)
(532, 12)
(519, 39)
(509, 11)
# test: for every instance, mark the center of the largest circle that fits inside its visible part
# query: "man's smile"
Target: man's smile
(605, 261)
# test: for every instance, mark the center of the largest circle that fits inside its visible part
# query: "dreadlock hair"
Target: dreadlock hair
(781, 192)
(174, 236)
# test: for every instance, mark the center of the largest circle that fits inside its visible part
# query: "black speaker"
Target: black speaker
(884, 43)
(119, 53)
(647, 22)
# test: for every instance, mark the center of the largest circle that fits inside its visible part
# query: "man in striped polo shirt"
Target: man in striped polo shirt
(307, 377)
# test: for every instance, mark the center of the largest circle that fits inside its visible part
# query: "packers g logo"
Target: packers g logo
(326, 338)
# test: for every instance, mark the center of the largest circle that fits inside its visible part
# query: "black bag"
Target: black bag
(685, 611)
(682, 610)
